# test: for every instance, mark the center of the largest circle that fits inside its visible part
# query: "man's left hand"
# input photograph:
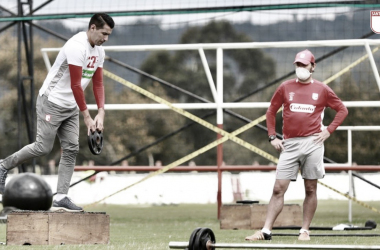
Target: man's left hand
(322, 136)
(99, 120)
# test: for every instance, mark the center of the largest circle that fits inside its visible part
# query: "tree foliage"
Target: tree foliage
(243, 70)
(125, 132)
(363, 142)
(9, 95)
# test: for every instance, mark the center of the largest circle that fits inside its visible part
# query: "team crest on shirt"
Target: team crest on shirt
(48, 118)
(291, 95)
(315, 96)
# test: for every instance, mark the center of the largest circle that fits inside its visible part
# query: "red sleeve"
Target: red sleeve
(275, 104)
(98, 87)
(76, 87)
(341, 111)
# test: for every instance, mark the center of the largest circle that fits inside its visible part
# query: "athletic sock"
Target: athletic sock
(266, 230)
(304, 231)
(59, 197)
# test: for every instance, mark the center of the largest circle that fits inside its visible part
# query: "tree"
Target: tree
(244, 70)
(8, 94)
(127, 131)
(124, 132)
(363, 141)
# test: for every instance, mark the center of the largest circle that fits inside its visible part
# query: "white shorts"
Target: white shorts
(304, 154)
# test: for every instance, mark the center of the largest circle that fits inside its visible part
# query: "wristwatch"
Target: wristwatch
(272, 137)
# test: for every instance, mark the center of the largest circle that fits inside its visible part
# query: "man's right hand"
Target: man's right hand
(90, 123)
(277, 144)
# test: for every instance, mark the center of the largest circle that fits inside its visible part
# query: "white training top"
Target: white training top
(76, 51)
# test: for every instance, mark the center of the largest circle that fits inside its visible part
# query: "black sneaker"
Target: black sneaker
(3, 177)
(65, 205)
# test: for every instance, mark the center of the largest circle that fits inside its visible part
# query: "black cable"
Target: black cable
(48, 31)
(363, 179)
(144, 148)
(154, 78)
(7, 26)
(179, 11)
(41, 6)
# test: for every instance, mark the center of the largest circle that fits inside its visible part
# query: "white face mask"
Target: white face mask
(302, 73)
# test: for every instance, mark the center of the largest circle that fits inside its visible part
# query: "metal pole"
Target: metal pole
(219, 121)
(239, 168)
(365, 180)
(350, 191)
(373, 64)
(32, 87)
(350, 194)
(19, 81)
(219, 153)
(208, 74)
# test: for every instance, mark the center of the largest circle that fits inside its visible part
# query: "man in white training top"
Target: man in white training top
(80, 60)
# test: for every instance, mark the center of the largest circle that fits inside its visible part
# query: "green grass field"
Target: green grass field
(153, 227)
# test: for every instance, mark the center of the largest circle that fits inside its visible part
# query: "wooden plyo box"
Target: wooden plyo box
(57, 228)
(252, 216)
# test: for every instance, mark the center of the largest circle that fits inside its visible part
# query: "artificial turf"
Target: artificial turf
(154, 226)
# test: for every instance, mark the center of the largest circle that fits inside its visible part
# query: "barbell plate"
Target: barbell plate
(370, 223)
(204, 235)
(192, 238)
(95, 142)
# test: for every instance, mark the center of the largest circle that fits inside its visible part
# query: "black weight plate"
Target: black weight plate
(247, 202)
(95, 142)
(371, 224)
(202, 237)
(192, 238)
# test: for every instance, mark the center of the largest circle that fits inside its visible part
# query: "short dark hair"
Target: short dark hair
(100, 19)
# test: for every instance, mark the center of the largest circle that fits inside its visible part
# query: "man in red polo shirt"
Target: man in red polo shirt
(304, 100)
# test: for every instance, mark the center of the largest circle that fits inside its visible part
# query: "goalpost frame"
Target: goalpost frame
(217, 92)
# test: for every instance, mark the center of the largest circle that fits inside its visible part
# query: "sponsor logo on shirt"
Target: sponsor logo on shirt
(291, 95)
(86, 73)
(315, 96)
(302, 108)
(48, 118)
